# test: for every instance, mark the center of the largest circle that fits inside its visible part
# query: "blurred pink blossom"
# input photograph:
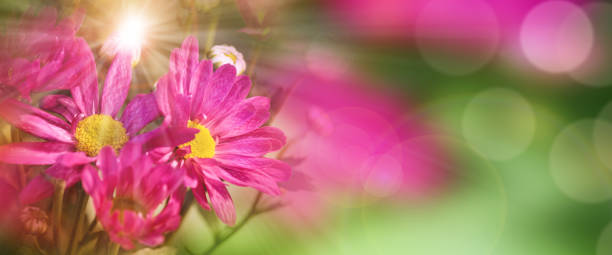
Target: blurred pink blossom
(128, 192)
(40, 55)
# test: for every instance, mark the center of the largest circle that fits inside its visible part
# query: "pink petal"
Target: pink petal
(180, 110)
(239, 91)
(36, 190)
(274, 168)
(72, 159)
(191, 51)
(92, 184)
(35, 121)
(248, 178)
(67, 72)
(86, 93)
(199, 192)
(168, 137)
(220, 86)
(255, 144)
(162, 96)
(130, 153)
(245, 117)
(199, 84)
(23, 75)
(60, 104)
(108, 165)
(117, 84)
(177, 70)
(33, 153)
(221, 201)
(141, 110)
(69, 174)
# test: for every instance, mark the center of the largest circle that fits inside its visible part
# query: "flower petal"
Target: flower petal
(245, 117)
(190, 49)
(117, 84)
(220, 86)
(141, 110)
(92, 184)
(167, 137)
(199, 84)
(72, 159)
(86, 94)
(35, 121)
(247, 178)
(199, 192)
(67, 72)
(239, 91)
(255, 144)
(33, 153)
(36, 190)
(274, 168)
(161, 94)
(62, 105)
(221, 201)
(108, 165)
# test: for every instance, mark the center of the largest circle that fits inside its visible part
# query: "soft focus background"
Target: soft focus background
(458, 127)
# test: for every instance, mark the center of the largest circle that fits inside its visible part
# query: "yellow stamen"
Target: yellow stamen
(99, 130)
(203, 145)
(232, 56)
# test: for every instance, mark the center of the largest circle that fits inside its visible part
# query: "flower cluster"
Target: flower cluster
(203, 133)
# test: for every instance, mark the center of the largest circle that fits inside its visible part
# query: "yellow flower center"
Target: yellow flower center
(99, 130)
(203, 145)
(232, 56)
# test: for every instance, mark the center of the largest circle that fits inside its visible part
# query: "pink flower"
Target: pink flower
(127, 193)
(231, 143)
(38, 55)
(87, 123)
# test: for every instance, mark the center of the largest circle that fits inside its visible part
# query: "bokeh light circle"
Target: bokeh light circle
(602, 135)
(604, 244)
(556, 36)
(575, 166)
(457, 37)
(499, 123)
(595, 70)
(384, 176)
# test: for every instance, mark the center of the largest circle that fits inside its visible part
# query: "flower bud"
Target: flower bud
(34, 220)
(225, 54)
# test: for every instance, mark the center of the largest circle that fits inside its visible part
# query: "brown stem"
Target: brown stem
(58, 200)
(83, 198)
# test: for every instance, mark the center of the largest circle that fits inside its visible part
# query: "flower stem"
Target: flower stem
(114, 248)
(254, 58)
(83, 198)
(58, 200)
(37, 246)
(252, 212)
(212, 30)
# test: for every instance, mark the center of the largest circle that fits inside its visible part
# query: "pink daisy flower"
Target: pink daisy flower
(86, 125)
(40, 55)
(128, 194)
(231, 143)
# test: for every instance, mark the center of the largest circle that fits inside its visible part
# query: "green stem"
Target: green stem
(37, 246)
(58, 200)
(114, 248)
(212, 30)
(252, 212)
(254, 59)
(83, 198)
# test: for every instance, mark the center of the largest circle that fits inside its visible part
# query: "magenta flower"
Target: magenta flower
(38, 55)
(128, 193)
(86, 125)
(231, 142)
